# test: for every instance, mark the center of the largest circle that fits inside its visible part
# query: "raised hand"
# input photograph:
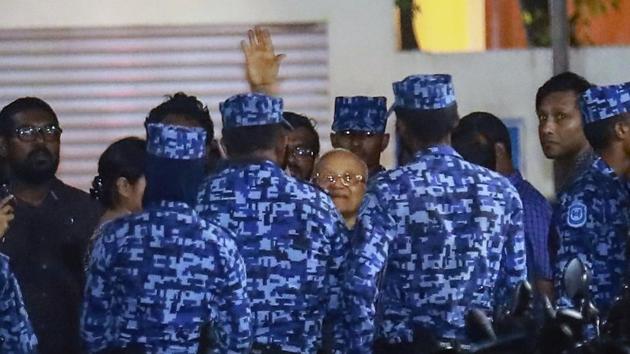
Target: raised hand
(261, 62)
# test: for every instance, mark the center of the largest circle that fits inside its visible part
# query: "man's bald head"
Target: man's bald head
(342, 157)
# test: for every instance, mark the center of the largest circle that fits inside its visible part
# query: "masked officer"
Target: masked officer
(359, 126)
(289, 232)
(156, 278)
(594, 211)
(445, 231)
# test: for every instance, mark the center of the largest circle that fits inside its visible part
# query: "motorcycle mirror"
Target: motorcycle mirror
(576, 279)
(550, 312)
(523, 298)
(479, 327)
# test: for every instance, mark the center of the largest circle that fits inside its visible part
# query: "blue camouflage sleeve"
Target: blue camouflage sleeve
(375, 229)
(15, 327)
(570, 225)
(232, 304)
(335, 272)
(98, 308)
(513, 267)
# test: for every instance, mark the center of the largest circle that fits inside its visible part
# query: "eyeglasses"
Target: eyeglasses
(347, 179)
(302, 152)
(29, 133)
(357, 133)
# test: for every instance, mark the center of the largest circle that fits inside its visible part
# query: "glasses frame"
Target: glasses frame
(49, 132)
(294, 152)
(332, 179)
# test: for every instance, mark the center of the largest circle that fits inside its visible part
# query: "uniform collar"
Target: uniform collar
(600, 166)
(376, 171)
(441, 149)
(170, 204)
(256, 164)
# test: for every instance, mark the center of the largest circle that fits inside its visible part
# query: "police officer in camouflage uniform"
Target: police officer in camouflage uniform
(289, 232)
(359, 126)
(594, 211)
(156, 278)
(447, 233)
(16, 333)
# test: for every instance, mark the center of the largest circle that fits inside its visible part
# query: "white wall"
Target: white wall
(363, 57)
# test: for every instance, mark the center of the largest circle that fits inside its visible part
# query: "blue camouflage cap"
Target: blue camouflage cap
(252, 109)
(424, 92)
(176, 142)
(360, 113)
(603, 102)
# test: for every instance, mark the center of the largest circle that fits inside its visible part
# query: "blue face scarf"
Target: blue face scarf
(175, 165)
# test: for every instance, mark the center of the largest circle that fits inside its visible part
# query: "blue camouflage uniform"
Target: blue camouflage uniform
(16, 333)
(360, 114)
(593, 214)
(289, 233)
(156, 277)
(446, 232)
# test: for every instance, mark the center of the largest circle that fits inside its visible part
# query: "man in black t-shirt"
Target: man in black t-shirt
(53, 222)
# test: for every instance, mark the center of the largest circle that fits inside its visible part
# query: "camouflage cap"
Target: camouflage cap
(252, 109)
(603, 102)
(176, 142)
(424, 92)
(360, 113)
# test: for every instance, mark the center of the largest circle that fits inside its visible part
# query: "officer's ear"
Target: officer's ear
(622, 128)
(384, 141)
(333, 140)
(401, 129)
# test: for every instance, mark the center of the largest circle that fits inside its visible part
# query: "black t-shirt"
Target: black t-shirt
(46, 245)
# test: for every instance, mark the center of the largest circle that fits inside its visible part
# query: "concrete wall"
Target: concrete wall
(363, 54)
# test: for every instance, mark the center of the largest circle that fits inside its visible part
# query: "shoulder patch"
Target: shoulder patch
(576, 216)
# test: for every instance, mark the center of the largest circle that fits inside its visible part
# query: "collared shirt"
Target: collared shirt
(46, 246)
(593, 220)
(16, 333)
(448, 232)
(155, 278)
(291, 237)
(536, 220)
(376, 172)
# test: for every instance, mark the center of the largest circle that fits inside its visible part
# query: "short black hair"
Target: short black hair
(487, 125)
(183, 104)
(123, 158)
(567, 81)
(243, 141)
(429, 126)
(7, 125)
(600, 133)
(300, 121)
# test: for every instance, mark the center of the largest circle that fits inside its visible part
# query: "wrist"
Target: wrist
(269, 89)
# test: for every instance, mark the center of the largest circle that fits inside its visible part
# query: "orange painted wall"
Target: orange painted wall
(613, 28)
(504, 27)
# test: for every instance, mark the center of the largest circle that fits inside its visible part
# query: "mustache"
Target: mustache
(41, 150)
